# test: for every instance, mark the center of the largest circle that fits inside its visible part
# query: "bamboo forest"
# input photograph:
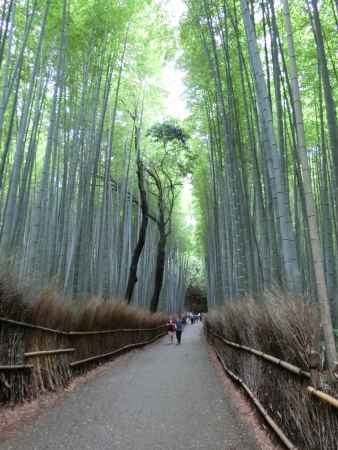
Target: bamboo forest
(152, 149)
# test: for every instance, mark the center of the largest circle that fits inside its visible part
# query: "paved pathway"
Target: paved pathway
(166, 397)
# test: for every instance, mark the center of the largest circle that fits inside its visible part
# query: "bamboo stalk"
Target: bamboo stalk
(259, 406)
(49, 352)
(114, 352)
(323, 396)
(279, 362)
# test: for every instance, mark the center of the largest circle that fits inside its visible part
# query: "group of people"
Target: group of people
(176, 326)
(195, 317)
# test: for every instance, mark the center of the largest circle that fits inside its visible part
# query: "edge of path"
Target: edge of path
(11, 417)
(247, 413)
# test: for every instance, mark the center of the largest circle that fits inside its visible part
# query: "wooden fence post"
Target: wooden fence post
(315, 369)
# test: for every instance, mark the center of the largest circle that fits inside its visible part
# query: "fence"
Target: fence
(302, 416)
(35, 359)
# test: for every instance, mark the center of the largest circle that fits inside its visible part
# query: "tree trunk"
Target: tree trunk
(160, 261)
(132, 279)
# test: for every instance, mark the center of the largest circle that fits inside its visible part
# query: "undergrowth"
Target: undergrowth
(286, 328)
(48, 309)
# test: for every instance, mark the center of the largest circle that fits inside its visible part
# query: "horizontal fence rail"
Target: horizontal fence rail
(114, 352)
(49, 352)
(300, 414)
(259, 406)
(323, 396)
(118, 330)
(279, 362)
(77, 333)
(17, 367)
(31, 326)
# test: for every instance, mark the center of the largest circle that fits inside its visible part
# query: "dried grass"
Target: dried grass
(50, 311)
(287, 329)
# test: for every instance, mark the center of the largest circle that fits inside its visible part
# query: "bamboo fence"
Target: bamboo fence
(301, 415)
(36, 359)
(284, 364)
(259, 406)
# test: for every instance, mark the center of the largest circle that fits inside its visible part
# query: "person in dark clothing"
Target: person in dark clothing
(179, 329)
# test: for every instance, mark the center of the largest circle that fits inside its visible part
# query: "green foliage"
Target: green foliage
(171, 149)
(168, 132)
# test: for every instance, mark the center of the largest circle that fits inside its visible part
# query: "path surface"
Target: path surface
(166, 397)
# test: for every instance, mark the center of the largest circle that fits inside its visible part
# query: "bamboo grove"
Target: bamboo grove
(87, 201)
(262, 89)
(72, 73)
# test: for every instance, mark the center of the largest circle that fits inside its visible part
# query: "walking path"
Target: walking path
(167, 397)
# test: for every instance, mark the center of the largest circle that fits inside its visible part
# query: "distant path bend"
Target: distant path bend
(166, 397)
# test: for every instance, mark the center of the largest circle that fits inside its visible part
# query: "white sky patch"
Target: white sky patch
(173, 82)
(186, 199)
(172, 77)
(175, 9)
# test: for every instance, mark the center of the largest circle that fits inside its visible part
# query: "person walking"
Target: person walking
(171, 330)
(179, 329)
(184, 322)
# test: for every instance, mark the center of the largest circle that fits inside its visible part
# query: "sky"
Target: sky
(173, 82)
(176, 9)
(173, 77)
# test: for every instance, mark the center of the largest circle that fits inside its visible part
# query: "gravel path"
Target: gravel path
(166, 397)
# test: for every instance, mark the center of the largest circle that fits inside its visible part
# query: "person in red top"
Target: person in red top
(171, 330)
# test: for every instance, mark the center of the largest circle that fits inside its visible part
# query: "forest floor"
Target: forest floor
(164, 397)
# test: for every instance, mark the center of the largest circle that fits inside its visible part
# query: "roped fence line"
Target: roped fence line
(16, 367)
(290, 367)
(34, 358)
(75, 333)
(34, 327)
(286, 441)
(114, 352)
(322, 415)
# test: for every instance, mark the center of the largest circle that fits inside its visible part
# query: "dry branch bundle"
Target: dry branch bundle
(21, 343)
(286, 329)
